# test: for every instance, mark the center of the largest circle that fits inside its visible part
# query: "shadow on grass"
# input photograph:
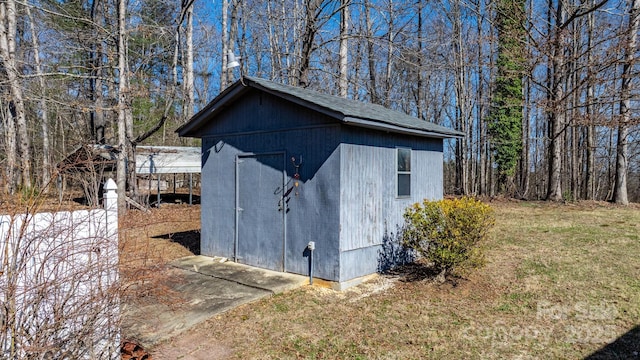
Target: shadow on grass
(392, 254)
(397, 260)
(189, 239)
(626, 346)
(415, 271)
(171, 198)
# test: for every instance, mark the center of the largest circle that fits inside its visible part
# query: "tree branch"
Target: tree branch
(160, 122)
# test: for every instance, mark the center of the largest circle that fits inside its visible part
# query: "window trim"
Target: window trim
(402, 172)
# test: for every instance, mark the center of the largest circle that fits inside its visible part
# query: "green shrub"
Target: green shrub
(449, 233)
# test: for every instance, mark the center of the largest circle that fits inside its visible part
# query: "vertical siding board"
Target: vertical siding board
(218, 198)
(365, 178)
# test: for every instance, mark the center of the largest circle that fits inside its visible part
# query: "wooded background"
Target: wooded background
(546, 91)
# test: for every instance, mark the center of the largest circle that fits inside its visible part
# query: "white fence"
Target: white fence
(59, 284)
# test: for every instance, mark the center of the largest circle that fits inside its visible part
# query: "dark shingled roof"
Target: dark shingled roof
(351, 112)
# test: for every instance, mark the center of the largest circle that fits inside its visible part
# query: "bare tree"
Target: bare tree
(224, 74)
(557, 75)
(97, 116)
(8, 55)
(590, 113)
(461, 98)
(313, 11)
(42, 105)
(622, 151)
(343, 55)
(124, 165)
(9, 126)
(189, 87)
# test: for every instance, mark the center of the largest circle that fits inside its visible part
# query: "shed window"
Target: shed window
(404, 171)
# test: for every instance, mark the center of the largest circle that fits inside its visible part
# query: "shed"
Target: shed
(283, 166)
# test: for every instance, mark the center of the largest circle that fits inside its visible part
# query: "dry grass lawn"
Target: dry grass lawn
(562, 281)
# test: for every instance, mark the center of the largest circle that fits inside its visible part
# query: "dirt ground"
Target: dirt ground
(160, 235)
(150, 240)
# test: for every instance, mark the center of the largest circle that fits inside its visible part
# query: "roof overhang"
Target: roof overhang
(397, 129)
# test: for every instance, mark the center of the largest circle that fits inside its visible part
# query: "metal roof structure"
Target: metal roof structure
(168, 160)
(149, 159)
(347, 111)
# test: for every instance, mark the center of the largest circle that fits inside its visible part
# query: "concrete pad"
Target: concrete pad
(206, 288)
(273, 281)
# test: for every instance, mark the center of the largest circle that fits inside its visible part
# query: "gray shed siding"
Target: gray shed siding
(369, 207)
(261, 112)
(313, 213)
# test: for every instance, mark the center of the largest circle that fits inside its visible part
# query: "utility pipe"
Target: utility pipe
(311, 246)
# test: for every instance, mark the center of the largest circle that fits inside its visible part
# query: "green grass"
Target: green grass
(561, 282)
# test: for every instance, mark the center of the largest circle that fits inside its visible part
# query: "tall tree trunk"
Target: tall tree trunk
(480, 157)
(233, 35)
(189, 87)
(556, 113)
(389, 68)
(420, 73)
(274, 45)
(128, 115)
(556, 123)
(526, 134)
(312, 13)
(371, 85)
(9, 125)
(488, 173)
(622, 150)
(525, 159)
(124, 133)
(506, 119)
(574, 84)
(95, 82)
(460, 106)
(343, 56)
(591, 143)
(224, 79)
(42, 106)
(8, 31)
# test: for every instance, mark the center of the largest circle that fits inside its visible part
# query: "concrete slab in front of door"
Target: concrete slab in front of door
(201, 288)
(272, 281)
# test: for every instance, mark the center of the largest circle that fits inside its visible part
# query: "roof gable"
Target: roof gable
(347, 111)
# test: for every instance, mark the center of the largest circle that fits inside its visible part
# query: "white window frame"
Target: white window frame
(402, 172)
